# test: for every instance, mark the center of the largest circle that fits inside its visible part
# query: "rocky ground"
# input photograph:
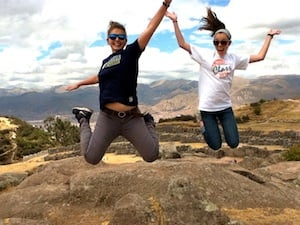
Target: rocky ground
(189, 185)
(193, 189)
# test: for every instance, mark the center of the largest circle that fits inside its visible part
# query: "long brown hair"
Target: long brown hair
(211, 23)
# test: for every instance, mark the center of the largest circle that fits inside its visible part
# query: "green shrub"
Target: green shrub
(261, 101)
(30, 139)
(242, 119)
(257, 110)
(292, 154)
(179, 118)
(62, 131)
(257, 106)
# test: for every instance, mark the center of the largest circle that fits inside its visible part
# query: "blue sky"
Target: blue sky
(45, 43)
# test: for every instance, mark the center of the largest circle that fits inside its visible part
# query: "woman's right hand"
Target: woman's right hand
(88, 81)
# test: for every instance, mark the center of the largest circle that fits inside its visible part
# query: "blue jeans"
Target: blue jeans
(212, 134)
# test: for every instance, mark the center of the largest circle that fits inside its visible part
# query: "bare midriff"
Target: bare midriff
(119, 107)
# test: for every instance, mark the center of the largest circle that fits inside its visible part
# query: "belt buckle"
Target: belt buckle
(121, 114)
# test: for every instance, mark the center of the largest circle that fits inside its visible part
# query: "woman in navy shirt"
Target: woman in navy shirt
(119, 113)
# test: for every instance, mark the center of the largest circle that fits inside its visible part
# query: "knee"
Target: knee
(233, 145)
(233, 142)
(215, 146)
(151, 158)
(90, 160)
(214, 142)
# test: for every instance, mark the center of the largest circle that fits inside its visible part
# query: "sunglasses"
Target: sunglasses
(223, 42)
(115, 36)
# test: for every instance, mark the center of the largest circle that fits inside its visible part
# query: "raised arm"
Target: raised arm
(146, 35)
(180, 39)
(88, 81)
(264, 49)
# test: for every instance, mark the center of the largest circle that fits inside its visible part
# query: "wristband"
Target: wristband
(271, 35)
(166, 4)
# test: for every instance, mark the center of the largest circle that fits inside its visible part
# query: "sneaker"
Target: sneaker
(82, 112)
(148, 118)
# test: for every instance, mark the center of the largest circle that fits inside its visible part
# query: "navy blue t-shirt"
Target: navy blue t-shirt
(118, 76)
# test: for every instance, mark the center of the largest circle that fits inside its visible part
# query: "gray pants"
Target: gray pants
(94, 144)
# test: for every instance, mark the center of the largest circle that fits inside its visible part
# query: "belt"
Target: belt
(123, 114)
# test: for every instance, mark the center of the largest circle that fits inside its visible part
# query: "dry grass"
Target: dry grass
(23, 166)
(5, 124)
(112, 158)
(281, 115)
(179, 123)
(265, 216)
(33, 163)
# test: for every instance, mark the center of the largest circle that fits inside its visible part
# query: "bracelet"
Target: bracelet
(174, 21)
(271, 35)
(166, 4)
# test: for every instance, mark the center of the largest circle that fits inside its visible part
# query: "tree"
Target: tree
(62, 131)
(22, 139)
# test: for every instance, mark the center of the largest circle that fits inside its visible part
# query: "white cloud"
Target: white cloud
(29, 27)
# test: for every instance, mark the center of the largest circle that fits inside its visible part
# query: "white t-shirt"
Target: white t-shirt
(215, 77)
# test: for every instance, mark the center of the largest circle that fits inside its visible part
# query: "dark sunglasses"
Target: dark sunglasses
(223, 42)
(115, 36)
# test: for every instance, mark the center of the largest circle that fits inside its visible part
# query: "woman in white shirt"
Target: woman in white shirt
(216, 73)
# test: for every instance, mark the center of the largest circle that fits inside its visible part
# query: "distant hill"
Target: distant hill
(281, 115)
(265, 87)
(164, 98)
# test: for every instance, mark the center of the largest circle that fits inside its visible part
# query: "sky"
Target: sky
(46, 43)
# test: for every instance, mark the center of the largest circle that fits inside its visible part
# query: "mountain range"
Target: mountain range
(163, 98)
